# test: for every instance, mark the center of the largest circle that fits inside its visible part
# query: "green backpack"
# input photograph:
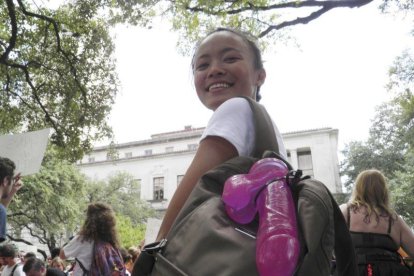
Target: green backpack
(204, 241)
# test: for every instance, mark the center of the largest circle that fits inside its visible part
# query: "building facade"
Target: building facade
(159, 163)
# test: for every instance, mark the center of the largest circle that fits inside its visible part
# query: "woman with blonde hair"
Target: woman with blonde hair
(57, 263)
(376, 229)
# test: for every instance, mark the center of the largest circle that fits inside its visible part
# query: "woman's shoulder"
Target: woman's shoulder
(234, 103)
(343, 207)
(81, 240)
(232, 111)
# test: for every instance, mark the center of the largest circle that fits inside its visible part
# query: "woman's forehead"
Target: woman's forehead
(222, 41)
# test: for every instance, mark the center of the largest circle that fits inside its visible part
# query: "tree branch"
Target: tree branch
(34, 93)
(13, 38)
(325, 6)
(58, 44)
(299, 20)
(28, 243)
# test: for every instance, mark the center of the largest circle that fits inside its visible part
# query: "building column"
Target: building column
(294, 159)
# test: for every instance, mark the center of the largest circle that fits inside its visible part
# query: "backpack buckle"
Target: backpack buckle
(155, 247)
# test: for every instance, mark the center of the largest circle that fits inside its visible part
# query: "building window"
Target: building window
(128, 154)
(91, 159)
(192, 146)
(179, 179)
(169, 149)
(305, 162)
(158, 183)
(148, 152)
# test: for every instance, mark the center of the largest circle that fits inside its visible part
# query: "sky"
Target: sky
(334, 78)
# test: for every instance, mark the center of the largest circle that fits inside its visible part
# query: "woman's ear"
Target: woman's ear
(261, 77)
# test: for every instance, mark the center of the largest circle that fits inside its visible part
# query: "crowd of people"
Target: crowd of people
(76, 257)
(227, 64)
(17, 263)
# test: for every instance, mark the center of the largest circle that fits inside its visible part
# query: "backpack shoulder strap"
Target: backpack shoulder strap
(85, 271)
(264, 132)
(14, 269)
(346, 263)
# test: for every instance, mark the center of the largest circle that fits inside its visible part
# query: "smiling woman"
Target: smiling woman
(226, 65)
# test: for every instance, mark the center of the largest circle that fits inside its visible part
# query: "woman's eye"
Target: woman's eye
(201, 66)
(231, 59)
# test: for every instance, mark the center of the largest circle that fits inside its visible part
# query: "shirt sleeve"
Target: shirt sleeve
(72, 248)
(233, 121)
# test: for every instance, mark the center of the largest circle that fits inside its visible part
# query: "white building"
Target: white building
(160, 162)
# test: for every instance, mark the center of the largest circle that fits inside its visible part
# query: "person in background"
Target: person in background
(9, 185)
(127, 260)
(134, 252)
(8, 254)
(58, 263)
(54, 253)
(28, 255)
(36, 267)
(376, 229)
(99, 226)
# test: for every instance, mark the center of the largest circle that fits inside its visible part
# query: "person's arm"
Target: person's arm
(17, 184)
(62, 254)
(211, 152)
(407, 238)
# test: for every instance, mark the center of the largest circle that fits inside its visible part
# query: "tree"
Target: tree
(130, 235)
(56, 70)
(49, 203)
(384, 149)
(403, 190)
(402, 85)
(390, 146)
(122, 192)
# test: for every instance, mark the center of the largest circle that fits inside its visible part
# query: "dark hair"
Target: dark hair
(33, 263)
(54, 252)
(29, 255)
(7, 168)
(249, 39)
(8, 250)
(100, 224)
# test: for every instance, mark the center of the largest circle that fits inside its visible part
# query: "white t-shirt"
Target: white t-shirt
(81, 250)
(233, 121)
(17, 272)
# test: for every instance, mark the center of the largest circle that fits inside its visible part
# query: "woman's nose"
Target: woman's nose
(216, 69)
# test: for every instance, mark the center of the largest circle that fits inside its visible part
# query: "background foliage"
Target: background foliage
(51, 204)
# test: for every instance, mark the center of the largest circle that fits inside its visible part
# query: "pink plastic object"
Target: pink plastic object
(277, 246)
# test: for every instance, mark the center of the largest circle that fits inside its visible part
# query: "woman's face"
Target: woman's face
(224, 68)
(58, 266)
